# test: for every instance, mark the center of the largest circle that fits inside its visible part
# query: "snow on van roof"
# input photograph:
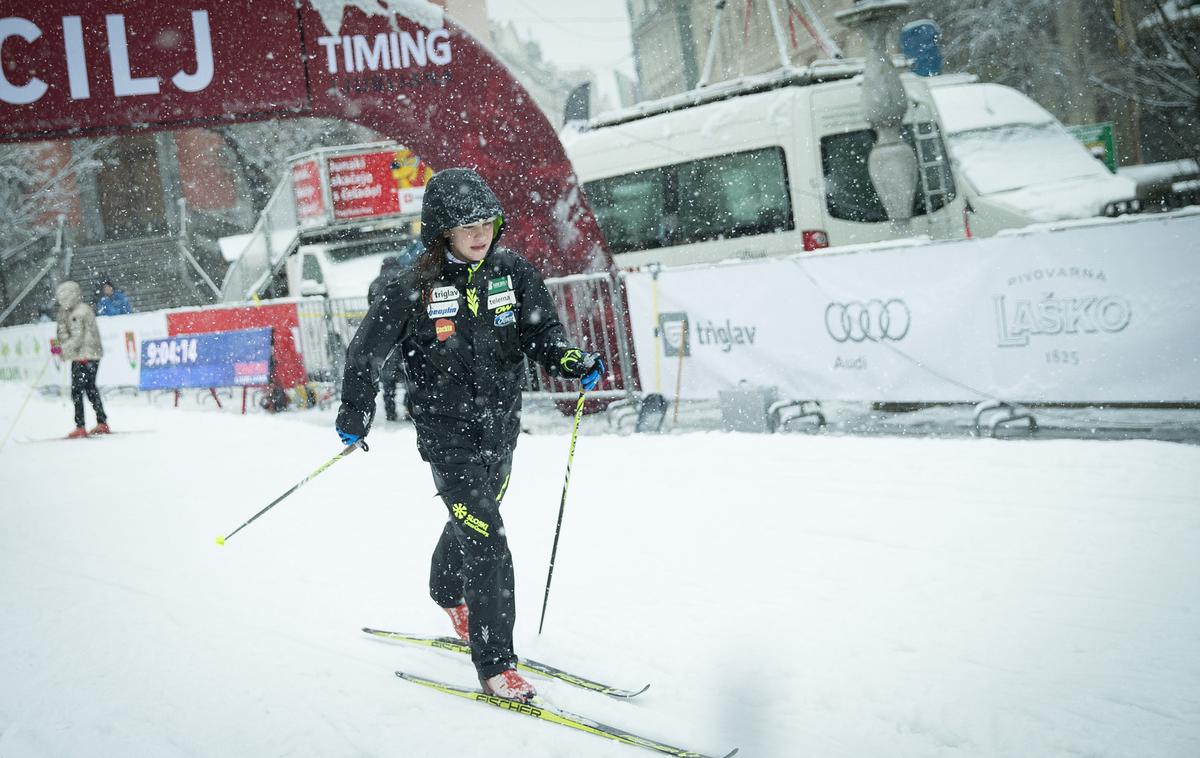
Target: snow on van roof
(969, 106)
(790, 76)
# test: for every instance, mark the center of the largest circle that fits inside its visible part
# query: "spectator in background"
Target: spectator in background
(112, 301)
(79, 344)
(390, 371)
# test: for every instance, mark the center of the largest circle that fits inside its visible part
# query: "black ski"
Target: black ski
(542, 710)
(456, 645)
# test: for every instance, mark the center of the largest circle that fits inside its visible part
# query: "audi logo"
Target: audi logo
(874, 320)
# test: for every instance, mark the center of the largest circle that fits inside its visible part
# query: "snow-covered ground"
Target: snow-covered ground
(790, 595)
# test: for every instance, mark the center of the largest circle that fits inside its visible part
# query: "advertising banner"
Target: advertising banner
(24, 350)
(289, 365)
(310, 197)
(72, 66)
(381, 183)
(1091, 313)
(221, 359)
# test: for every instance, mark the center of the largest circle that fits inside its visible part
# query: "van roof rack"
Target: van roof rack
(788, 76)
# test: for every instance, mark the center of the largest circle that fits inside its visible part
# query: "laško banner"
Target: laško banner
(1098, 312)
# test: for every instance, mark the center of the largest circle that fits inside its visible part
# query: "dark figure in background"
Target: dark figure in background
(79, 343)
(464, 318)
(389, 370)
(112, 301)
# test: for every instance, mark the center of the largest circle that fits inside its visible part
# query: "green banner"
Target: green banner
(1099, 140)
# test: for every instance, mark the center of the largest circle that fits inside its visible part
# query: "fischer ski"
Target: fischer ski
(539, 709)
(455, 645)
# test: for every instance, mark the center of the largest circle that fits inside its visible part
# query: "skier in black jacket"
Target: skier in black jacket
(464, 317)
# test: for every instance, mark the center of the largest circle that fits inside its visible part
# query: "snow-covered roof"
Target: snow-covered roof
(967, 107)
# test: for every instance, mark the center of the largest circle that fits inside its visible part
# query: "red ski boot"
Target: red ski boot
(79, 432)
(100, 429)
(458, 617)
(509, 684)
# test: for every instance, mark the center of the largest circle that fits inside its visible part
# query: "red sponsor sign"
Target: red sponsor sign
(361, 186)
(70, 66)
(310, 198)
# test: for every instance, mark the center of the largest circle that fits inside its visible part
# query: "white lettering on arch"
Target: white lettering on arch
(31, 90)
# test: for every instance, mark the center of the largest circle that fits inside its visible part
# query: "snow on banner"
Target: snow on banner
(1103, 312)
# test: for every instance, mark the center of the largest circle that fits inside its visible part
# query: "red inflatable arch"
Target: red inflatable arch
(70, 68)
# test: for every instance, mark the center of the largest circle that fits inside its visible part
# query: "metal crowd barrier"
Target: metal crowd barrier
(591, 306)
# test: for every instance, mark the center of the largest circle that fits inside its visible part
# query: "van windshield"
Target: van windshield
(1021, 155)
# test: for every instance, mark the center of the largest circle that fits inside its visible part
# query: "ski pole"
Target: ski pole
(561, 505)
(345, 451)
(25, 402)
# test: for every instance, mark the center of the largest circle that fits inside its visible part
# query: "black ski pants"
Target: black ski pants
(472, 561)
(83, 382)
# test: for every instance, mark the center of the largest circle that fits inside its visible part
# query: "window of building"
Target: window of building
(849, 192)
(725, 196)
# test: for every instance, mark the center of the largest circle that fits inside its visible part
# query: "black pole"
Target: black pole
(561, 506)
(345, 451)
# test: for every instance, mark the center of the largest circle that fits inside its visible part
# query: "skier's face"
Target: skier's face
(471, 243)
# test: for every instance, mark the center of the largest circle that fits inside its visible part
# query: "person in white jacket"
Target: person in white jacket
(79, 343)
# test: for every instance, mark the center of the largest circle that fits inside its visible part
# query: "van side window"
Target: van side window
(630, 210)
(849, 193)
(725, 196)
(733, 196)
(311, 270)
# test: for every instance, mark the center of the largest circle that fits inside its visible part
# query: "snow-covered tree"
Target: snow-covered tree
(1159, 69)
(33, 188)
(262, 148)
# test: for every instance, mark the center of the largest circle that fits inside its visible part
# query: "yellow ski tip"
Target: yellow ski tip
(220, 540)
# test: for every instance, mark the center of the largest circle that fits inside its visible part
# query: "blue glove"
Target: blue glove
(348, 438)
(593, 376)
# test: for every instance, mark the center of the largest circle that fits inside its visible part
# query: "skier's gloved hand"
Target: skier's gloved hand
(595, 373)
(588, 367)
(352, 424)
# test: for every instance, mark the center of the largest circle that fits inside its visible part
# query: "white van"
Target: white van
(768, 165)
(345, 266)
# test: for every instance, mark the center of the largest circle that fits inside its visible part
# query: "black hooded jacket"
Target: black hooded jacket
(463, 345)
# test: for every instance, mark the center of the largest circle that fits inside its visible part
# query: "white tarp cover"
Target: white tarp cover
(1103, 312)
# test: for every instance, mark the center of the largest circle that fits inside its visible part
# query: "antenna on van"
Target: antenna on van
(711, 56)
(804, 13)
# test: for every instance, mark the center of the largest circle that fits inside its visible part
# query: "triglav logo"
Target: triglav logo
(1019, 319)
(726, 336)
(874, 320)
